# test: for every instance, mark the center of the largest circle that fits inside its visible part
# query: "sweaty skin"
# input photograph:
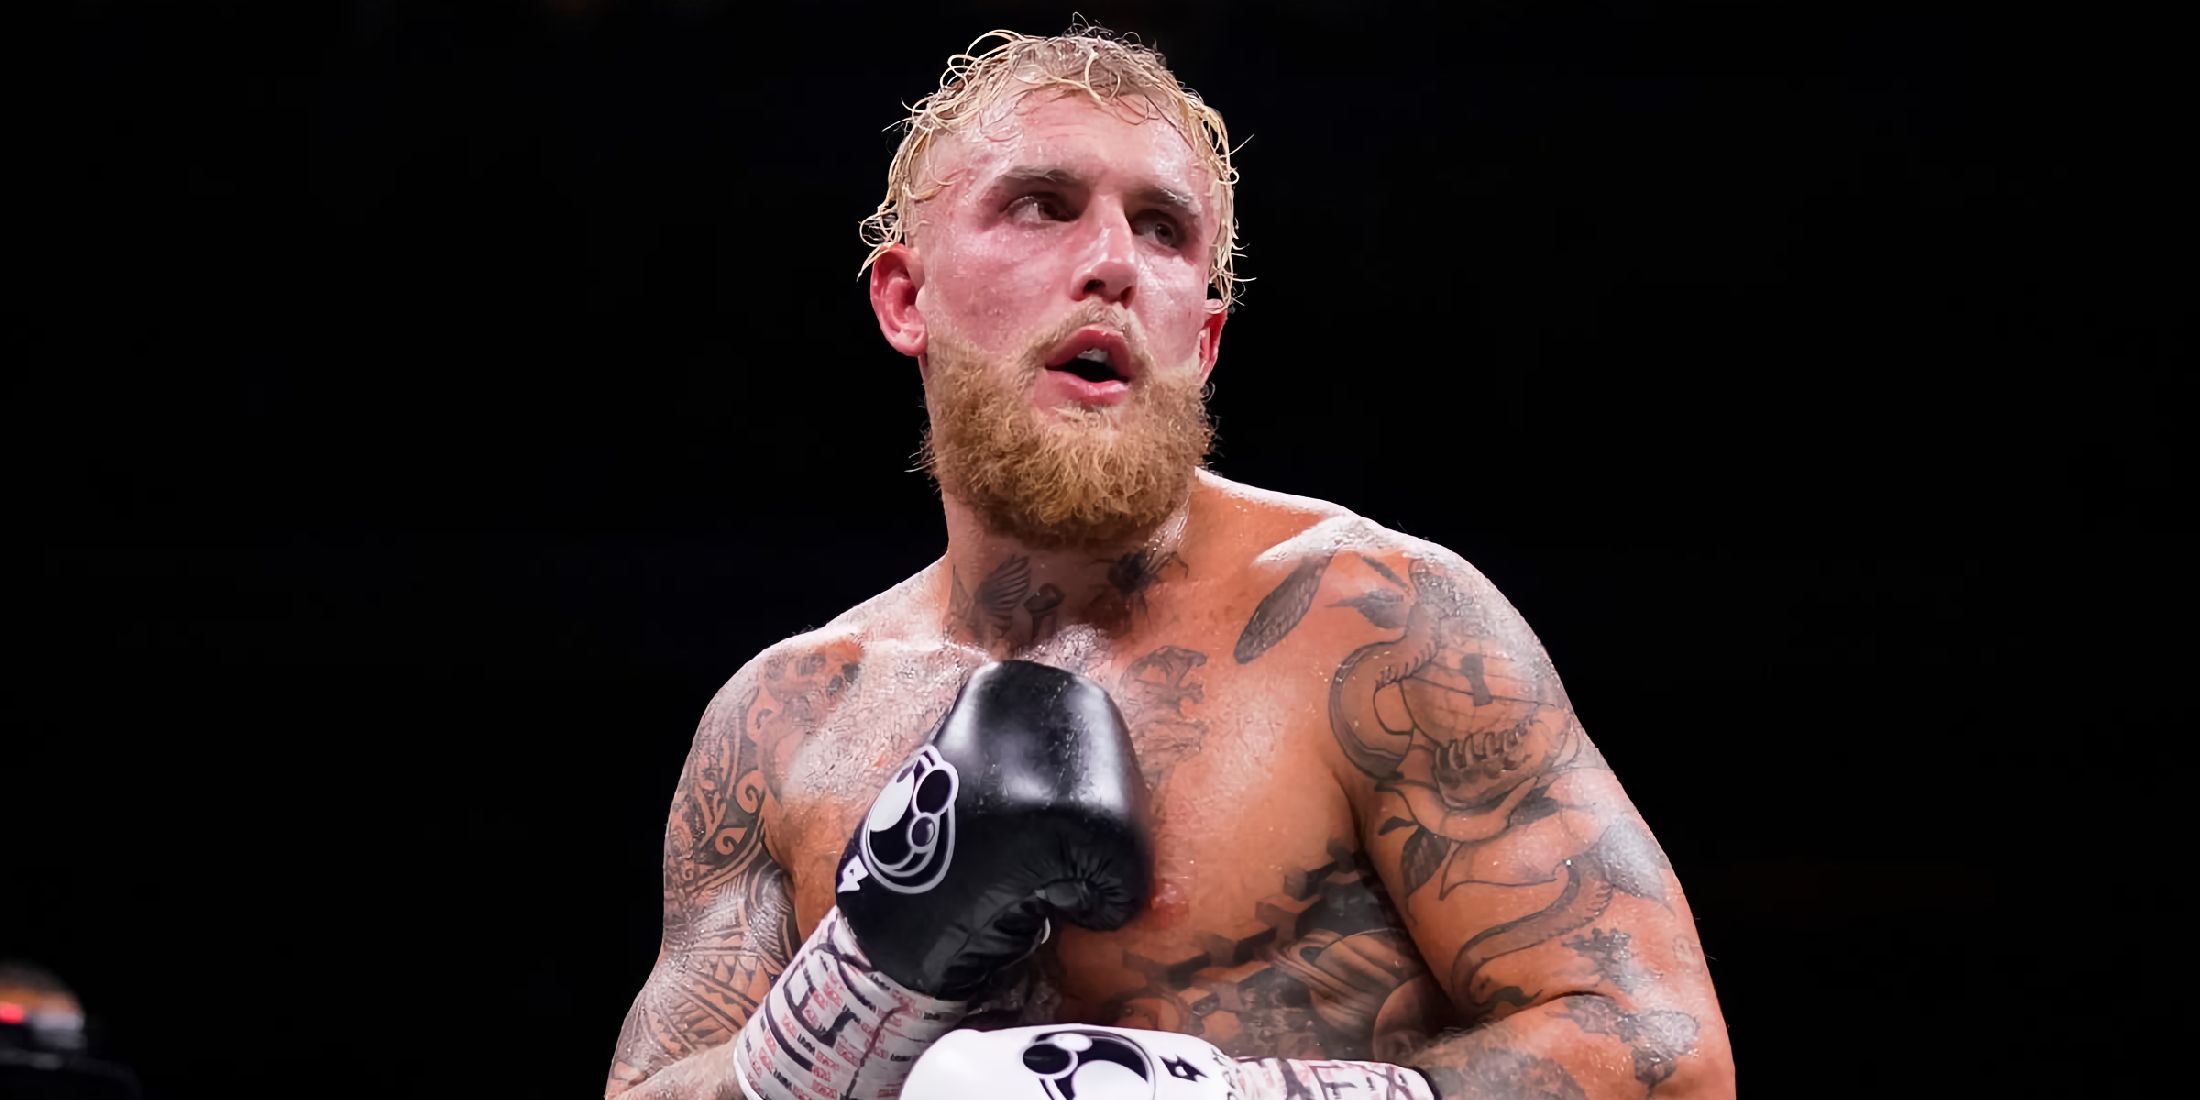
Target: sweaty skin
(1381, 831)
(1377, 820)
(1268, 932)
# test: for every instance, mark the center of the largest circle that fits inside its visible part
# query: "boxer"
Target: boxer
(1310, 814)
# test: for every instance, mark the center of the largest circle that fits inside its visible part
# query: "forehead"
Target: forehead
(1125, 143)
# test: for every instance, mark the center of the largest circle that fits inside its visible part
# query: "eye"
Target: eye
(1040, 205)
(1162, 228)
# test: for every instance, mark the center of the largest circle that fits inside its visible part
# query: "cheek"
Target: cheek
(987, 293)
(1174, 289)
(1182, 317)
(1003, 259)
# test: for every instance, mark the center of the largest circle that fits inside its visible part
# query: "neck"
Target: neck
(1003, 596)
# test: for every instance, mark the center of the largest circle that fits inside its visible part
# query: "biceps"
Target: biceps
(1582, 931)
(1555, 888)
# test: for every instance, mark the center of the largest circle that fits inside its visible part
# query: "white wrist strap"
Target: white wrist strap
(834, 1028)
(1284, 1078)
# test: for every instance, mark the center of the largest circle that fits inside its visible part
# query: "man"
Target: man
(1379, 838)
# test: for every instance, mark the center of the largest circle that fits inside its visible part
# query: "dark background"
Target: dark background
(419, 409)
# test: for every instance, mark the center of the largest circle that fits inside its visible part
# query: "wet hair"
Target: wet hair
(1116, 73)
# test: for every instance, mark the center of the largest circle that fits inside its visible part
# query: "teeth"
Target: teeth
(1094, 355)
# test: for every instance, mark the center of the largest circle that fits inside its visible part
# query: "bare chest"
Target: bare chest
(1266, 933)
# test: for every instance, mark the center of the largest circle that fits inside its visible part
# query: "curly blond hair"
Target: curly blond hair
(1087, 60)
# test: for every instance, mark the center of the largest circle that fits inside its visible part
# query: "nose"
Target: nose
(1108, 267)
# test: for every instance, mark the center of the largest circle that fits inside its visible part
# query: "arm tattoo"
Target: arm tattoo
(1618, 862)
(798, 689)
(1486, 786)
(729, 925)
(1459, 719)
(1611, 958)
(1656, 1039)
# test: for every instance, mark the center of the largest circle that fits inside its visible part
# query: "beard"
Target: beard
(1075, 476)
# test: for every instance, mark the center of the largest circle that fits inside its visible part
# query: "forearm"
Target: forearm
(1584, 1046)
(831, 1026)
(703, 1075)
(1286, 1078)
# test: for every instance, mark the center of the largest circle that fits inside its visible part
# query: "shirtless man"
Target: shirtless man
(1379, 835)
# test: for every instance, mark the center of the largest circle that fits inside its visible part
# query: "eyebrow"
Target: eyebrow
(1179, 203)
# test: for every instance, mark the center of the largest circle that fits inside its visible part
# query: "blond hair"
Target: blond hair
(1086, 60)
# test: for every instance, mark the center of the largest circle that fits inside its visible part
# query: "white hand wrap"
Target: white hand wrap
(833, 1028)
(1278, 1078)
(1085, 1062)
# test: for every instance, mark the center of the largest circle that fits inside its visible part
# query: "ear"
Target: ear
(1210, 335)
(896, 276)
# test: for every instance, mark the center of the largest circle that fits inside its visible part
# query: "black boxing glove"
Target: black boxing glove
(1024, 805)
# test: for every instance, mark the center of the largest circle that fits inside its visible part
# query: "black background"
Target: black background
(419, 409)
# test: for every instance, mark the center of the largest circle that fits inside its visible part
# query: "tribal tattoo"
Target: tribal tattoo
(798, 689)
(729, 927)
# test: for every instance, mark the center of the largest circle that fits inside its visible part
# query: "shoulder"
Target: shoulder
(808, 668)
(1341, 581)
(1289, 531)
(757, 724)
(1431, 682)
(812, 669)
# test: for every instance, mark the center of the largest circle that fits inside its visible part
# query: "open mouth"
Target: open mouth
(1096, 355)
(1092, 365)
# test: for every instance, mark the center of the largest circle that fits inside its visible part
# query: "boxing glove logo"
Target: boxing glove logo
(909, 839)
(1082, 1064)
